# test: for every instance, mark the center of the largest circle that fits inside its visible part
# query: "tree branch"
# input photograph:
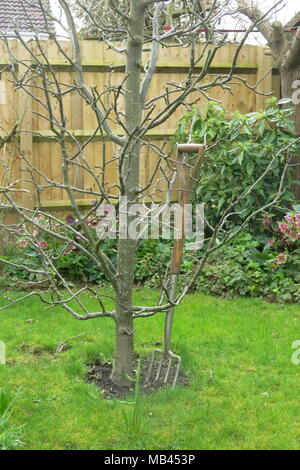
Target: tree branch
(293, 21)
(154, 53)
(78, 64)
(254, 13)
(293, 58)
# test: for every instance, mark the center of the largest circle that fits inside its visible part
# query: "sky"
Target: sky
(289, 10)
(284, 14)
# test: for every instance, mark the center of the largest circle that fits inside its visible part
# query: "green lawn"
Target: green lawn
(244, 391)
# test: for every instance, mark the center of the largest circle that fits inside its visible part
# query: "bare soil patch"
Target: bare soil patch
(99, 373)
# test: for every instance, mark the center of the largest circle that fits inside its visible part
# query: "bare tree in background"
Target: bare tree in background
(125, 114)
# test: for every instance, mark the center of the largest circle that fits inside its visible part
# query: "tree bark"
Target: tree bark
(130, 178)
(287, 56)
(288, 77)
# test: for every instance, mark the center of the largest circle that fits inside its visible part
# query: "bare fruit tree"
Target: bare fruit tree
(125, 114)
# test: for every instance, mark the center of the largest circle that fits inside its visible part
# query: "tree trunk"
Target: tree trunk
(130, 181)
(288, 78)
(122, 368)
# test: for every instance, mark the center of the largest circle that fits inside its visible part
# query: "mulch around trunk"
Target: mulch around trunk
(99, 373)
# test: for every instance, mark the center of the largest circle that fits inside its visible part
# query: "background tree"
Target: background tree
(286, 53)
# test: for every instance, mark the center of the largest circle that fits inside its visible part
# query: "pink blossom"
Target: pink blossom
(281, 258)
(290, 229)
(283, 227)
(70, 220)
(43, 245)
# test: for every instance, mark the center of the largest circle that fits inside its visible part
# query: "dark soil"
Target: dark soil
(99, 373)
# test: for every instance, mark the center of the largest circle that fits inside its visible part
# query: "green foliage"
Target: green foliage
(151, 261)
(253, 266)
(74, 265)
(70, 262)
(262, 263)
(239, 149)
(257, 264)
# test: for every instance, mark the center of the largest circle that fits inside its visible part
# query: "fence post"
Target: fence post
(25, 118)
(264, 73)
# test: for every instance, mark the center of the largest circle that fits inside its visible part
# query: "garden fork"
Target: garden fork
(185, 190)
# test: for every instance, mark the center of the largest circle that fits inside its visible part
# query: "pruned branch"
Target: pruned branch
(293, 57)
(252, 11)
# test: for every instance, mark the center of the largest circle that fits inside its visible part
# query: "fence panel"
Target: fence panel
(102, 68)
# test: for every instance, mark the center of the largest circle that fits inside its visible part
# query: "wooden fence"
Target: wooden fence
(102, 66)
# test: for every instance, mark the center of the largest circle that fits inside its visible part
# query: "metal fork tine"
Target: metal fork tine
(172, 358)
(168, 370)
(177, 371)
(159, 369)
(150, 366)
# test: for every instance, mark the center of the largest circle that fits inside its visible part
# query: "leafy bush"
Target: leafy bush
(73, 264)
(239, 149)
(261, 266)
(152, 260)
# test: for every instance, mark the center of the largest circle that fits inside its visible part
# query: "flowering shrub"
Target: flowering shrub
(286, 241)
(251, 266)
(265, 265)
(66, 257)
(291, 227)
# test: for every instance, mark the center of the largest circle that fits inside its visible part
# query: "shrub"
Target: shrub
(239, 149)
(260, 266)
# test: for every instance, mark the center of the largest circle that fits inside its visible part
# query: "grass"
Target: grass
(9, 437)
(244, 391)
